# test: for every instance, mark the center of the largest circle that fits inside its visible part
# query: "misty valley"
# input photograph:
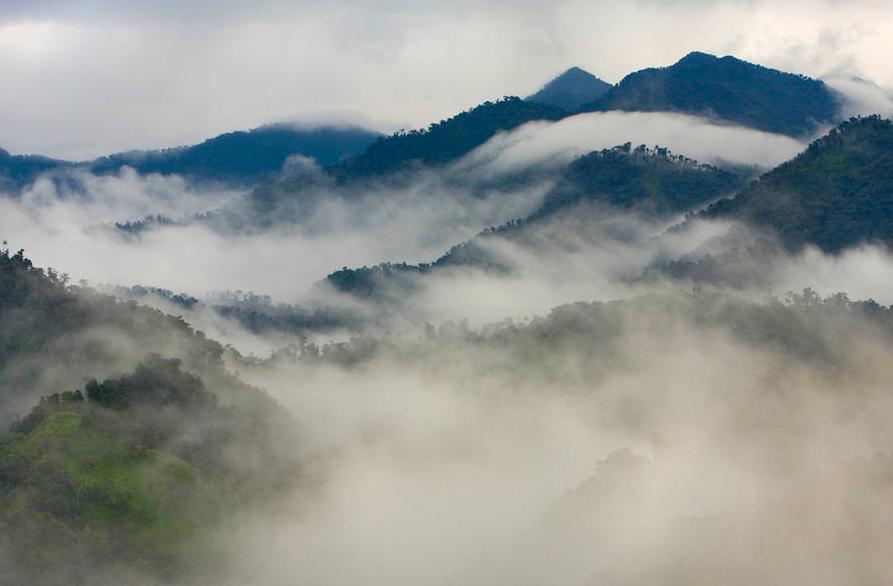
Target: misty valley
(609, 333)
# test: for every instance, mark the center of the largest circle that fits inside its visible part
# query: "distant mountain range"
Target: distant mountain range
(17, 171)
(728, 89)
(571, 90)
(239, 158)
(446, 140)
(653, 182)
(837, 194)
(245, 156)
(725, 89)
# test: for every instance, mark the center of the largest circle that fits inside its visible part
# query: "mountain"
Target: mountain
(836, 194)
(653, 182)
(444, 141)
(127, 470)
(730, 89)
(19, 170)
(244, 156)
(570, 90)
(239, 158)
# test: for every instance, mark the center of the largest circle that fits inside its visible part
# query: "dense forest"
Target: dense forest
(132, 467)
(17, 171)
(836, 194)
(729, 89)
(576, 365)
(241, 158)
(652, 182)
(446, 140)
(244, 157)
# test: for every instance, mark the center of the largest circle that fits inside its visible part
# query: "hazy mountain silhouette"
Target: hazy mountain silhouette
(571, 90)
(729, 89)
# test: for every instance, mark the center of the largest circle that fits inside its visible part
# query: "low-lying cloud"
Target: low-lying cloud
(698, 138)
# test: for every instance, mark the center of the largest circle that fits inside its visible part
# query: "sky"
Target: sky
(85, 78)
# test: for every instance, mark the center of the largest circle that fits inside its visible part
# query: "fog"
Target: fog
(589, 412)
(165, 73)
(413, 222)
(75, 232)
(698, 138)
(659, 440)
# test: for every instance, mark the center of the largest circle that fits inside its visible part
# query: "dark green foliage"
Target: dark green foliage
(47, 321)
(133, 468)
(136, 227)
(836, 194)
(57, 337)
(157, 381)
(141, 292)
(79, 498)
(240, 158)
(651, 181)
(444, 141)
(24, 287)
(378, 282)
(161, 406)
(259, 314)
(730, 89)
(244, 156)
(571, 90)
(17, 171)
(590, 339)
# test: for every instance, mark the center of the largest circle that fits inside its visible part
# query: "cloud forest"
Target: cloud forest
(306, 293)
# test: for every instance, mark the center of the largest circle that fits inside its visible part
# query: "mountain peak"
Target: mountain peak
(575, 72)
(571, 89)
(697, 58)
(729, 89)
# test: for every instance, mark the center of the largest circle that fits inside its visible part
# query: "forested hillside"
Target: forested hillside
(241, 158)
(446, 140)
(729, 89)
(836, 194)
(130, 470)
(652, 182)
(245, 157)
(19, 170)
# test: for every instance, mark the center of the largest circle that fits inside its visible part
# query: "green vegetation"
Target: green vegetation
(836, 194)
(133, 470)
(84, 335)
(120, 498)
(444, 141)
(588, 339)
(653, 182)
(239, 158)
(727, 88)
(17, 171)
(120, 471)
(244, 156)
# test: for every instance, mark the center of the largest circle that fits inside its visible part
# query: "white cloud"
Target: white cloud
(88, 78)
(697, 138)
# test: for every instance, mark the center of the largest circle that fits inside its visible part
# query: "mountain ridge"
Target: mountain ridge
(730, 89)
(571, 90)
(835, 194)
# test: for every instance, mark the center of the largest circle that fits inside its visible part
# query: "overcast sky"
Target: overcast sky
(78, 79)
